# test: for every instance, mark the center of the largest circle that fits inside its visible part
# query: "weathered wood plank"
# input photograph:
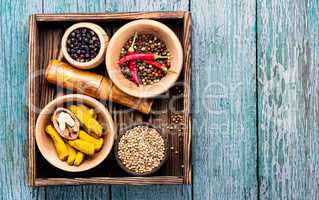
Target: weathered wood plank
(149, 192)
(224, 94)
(109, 16)
(13, 101)
(13, 115)
(157, 180)
(75, 192)
(146, 5)
(73, 6)
(288, 51)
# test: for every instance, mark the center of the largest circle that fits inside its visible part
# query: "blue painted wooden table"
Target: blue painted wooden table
(255, 100)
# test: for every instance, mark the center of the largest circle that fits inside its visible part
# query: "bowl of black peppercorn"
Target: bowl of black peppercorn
(84, 45)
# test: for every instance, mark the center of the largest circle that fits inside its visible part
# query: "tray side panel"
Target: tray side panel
(74, 17)
(187, 99)
(32, 91)
(159, 180)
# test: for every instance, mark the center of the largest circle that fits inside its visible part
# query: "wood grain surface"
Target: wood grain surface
(288, 75)
(248, 142)
(13, 103)
(224, 94)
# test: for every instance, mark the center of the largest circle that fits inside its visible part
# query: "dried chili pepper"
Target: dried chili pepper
(140, 56)
(132, 64)
(157, 64)
(133, 69)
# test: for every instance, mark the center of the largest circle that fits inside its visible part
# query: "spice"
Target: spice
(131, 49)
(133, 70)
(91, 125)
(90, 111)
(65, 123)
(70, 149)
(96, 142)
(83, 146)
(141, 149)
(157, 64)
(83, 44)
(146, 47)
(132, 64)
(59, 144)
(72, 155)
(78, 158)
(140, 56)
(177, 118)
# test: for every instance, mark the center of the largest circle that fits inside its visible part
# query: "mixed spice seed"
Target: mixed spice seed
(177, 118)
(177, 122)
(83, 44)
(141, 149)
(144, 59)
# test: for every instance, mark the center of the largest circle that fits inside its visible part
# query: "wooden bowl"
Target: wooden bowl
(45, 143)
(120, 38)
(119, 162)
(104, 39)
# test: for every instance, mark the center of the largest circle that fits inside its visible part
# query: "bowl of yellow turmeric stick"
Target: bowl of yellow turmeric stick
(75, 132)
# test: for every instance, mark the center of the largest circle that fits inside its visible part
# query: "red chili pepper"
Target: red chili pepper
(157, 64)
(140, 56)
(133, 69)
(132, 64)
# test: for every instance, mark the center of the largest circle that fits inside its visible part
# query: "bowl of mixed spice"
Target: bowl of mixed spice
(144, 58)
(84, 45)
(141, 149)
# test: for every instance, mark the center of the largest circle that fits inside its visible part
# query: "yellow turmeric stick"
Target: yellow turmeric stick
(78, 158)
(90, 124)
(59, 144)
(96, 142)
(90, 111)
(83, 146)
(72, 154)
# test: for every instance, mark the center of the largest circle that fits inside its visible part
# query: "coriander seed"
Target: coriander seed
(141, 149)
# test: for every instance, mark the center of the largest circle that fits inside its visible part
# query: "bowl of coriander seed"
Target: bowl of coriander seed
(141, 149)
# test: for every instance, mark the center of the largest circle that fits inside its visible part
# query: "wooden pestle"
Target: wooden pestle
(95, 85)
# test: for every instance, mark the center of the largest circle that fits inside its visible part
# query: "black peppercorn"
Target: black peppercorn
(83, 44)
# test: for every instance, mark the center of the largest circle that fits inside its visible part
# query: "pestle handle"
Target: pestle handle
(91, 84)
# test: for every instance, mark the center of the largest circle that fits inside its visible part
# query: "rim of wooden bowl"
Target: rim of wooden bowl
(44, 119)
(103, 37)
(117, 42)
(122, 132)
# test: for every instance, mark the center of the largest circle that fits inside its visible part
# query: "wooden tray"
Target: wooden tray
(45, 33)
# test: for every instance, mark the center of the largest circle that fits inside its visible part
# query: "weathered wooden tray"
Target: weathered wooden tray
(45, 33)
